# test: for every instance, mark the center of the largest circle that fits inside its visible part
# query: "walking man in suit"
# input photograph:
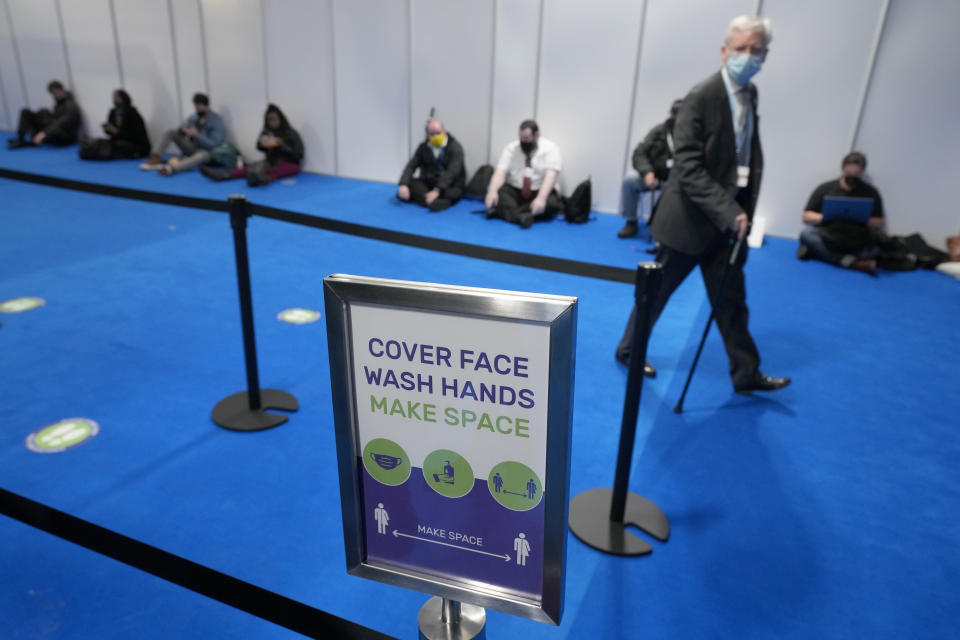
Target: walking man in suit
(711, 196)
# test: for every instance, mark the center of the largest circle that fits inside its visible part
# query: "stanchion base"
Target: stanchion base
(472, 625)
(234, 412)
(590, 522)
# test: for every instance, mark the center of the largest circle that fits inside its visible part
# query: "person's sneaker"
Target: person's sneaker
(629, 230)
(865, 265)
(803, 252)
(153, 163)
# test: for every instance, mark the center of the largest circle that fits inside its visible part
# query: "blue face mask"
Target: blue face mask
(743, 66)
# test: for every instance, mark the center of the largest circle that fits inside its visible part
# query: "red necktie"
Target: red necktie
(526, 192)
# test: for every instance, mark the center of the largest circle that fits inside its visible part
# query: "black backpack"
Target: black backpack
(577, 209)
(476, 189)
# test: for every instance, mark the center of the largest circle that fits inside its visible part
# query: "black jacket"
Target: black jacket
(438, 173)
(697, 204)
(653, 152)
(289, 150)
(65, 126)
(130, 129)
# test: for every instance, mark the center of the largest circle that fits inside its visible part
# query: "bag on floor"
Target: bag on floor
(476, 189)
(224, 155)
(258, 174)
(577, 206)
(895, 255)
(927, 256)
(98, 149)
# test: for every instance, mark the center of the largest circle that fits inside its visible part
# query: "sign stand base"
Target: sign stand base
(444, 619)
(590, 521)
(235, 412)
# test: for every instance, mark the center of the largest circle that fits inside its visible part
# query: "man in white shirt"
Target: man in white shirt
(521, 189)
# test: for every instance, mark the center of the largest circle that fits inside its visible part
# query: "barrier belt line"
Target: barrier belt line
(270, 606)
(492, 254)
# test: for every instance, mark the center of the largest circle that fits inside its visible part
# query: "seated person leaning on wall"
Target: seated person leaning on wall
(521, 189)
(126, 133)
(441, 177)
(280, 143)
(845, 243)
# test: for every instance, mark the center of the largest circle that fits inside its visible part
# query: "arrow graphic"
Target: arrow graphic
(505, 556)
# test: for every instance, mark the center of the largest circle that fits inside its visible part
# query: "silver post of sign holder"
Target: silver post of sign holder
(445, 619)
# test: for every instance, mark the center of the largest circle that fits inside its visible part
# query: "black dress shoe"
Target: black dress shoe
(649, 371)
(761, 382)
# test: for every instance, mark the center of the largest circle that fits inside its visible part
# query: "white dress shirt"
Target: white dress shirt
(513, 162)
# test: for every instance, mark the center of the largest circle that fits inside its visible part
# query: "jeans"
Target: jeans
(811, 238)
(193, 155)
(633, 186)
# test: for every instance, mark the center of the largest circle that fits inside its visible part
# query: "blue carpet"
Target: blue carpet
(826, 510)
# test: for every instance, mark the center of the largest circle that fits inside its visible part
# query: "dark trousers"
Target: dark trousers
(447, 197)
(33, 122)
(513, 208)
(731, 312)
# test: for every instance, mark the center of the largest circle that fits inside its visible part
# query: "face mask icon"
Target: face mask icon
(384, 461)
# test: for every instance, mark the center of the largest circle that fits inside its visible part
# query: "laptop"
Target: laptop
(850, 209)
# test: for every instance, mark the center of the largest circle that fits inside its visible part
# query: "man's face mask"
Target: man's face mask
(528, 147)
(437, 139)
(853, 181)
(743, 66)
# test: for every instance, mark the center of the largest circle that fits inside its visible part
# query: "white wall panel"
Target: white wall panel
(808, 103)
(35, 25)
(235, 60)
(515, 70)
(300, 74)
(372, 70)
(452, 62)
(13, 98)
(909, 129)
(92, 52)
(681, 46)
(190, 56)
(146, 53)
(584, 98)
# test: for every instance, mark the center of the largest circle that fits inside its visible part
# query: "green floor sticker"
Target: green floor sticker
(62, 435)
(386, 461)
(298, 316)
(515, 486)
(448, 473)
(16, 305)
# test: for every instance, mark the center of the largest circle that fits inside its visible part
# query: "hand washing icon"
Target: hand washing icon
(384, 461)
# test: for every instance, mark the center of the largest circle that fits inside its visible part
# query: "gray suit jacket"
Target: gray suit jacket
(698, 205)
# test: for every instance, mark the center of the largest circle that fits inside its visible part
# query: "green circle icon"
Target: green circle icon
(386, 462)
(298, 316)
(515, 486)
(18, 305)
(448, 473)
(62, 435)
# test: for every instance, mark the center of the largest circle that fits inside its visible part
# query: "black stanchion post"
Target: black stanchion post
(599, 517)
(244, 410)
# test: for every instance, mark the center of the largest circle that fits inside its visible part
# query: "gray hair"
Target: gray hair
(750, 24)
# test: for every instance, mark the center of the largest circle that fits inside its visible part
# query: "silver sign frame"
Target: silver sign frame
(559, 314)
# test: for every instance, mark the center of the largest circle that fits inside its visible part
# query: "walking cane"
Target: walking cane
(706, 330)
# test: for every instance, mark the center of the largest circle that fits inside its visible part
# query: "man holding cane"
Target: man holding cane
(711, 195)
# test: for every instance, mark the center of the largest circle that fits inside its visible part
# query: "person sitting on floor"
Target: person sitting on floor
(521, 189)
(442, 175)
(845, 243)
(279, 142)
(202, 138)
(652, 159)
(126, 134)
(59, 127)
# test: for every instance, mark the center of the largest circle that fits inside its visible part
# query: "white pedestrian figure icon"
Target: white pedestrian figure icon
(522, 546)
(382, 517)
